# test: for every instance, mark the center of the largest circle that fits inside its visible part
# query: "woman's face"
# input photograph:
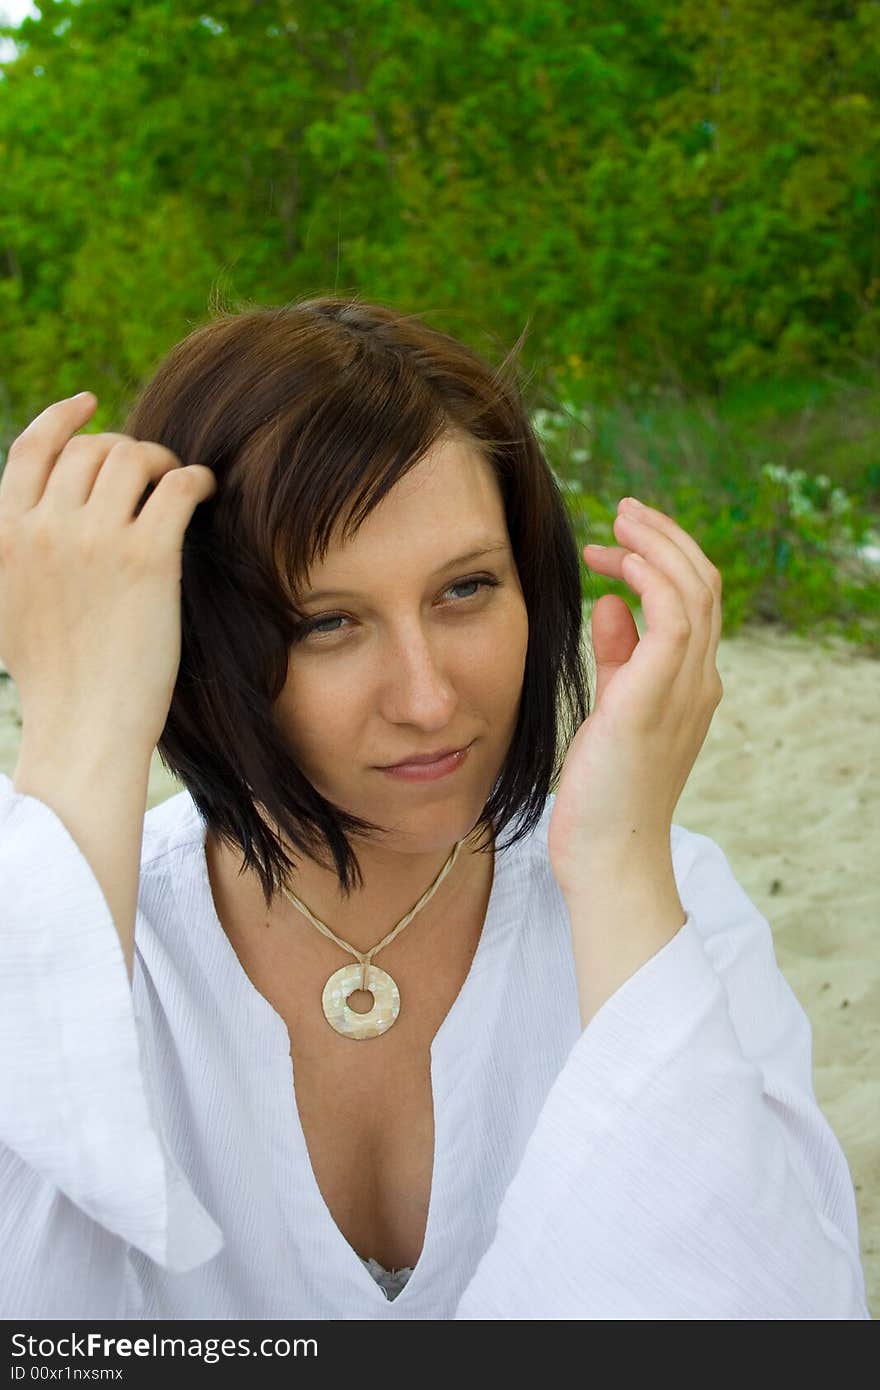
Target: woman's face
(407, 653)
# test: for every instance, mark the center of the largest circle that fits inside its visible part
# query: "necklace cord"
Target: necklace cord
(366, 958)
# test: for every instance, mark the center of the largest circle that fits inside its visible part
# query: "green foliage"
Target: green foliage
(674, 190)
(679, 196)
(793, 546)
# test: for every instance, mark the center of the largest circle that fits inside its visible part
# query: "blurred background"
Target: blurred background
(678, 201)
(680, 198)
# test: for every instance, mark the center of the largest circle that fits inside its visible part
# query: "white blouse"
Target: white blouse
(668, 1161)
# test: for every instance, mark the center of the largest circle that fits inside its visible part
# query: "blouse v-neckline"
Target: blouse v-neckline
(452, 1048)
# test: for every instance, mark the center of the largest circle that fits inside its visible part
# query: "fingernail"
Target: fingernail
(81, 395)
(632, 504)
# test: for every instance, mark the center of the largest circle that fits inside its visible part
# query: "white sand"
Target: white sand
(787, 784)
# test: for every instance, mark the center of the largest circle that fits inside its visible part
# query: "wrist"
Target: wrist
(622, 911)
(640, 861)
(79, 762)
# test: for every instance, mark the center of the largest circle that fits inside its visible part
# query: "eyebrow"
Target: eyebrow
(491, 549)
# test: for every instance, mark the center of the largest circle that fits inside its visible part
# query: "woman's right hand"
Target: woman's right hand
(90, 590)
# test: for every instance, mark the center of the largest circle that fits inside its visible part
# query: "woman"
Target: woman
(374, 1058)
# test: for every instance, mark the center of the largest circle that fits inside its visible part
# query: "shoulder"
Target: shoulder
(172, 825)
(702, 869)
(704, 878)
(171, 903)
(525, 864)
(730, 924)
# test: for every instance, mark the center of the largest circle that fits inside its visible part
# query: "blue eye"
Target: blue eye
(315, 625)
(466, 583)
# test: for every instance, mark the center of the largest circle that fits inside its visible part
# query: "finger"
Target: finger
(77, 469)
(711, 574)
(703, 602)
(630, 506)
(667, 644)
(33, 453)
(613, 561)
(174, 501)
(670, 560)
(125, 477)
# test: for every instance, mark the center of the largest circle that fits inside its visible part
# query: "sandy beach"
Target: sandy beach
(787, 784)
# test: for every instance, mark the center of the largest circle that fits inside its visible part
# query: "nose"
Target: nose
(416, 685)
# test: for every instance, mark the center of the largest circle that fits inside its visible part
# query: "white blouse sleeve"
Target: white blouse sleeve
(681, 1166)
(85, 1168)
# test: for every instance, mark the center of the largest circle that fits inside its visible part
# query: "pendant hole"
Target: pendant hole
(361, 1001)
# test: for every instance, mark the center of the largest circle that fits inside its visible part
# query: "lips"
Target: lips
(434, 771)
(422, 759)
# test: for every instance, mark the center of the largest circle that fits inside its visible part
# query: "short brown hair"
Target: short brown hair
(308, 413)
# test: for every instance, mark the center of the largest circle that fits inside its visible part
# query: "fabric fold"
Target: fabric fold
(675, 1171)
(78, 1104)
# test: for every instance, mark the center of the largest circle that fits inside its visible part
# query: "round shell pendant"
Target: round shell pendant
(386, 1002)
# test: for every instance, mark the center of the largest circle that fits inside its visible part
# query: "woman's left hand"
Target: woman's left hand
(628, 763)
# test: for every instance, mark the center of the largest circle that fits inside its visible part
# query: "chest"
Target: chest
(369, 1129)
(365, 1107)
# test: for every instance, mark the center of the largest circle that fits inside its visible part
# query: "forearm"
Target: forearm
(624, 910)
(99, 791)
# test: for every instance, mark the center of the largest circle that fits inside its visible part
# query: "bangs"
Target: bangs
(339, 467)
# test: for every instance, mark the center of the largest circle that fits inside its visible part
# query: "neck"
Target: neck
(393, 884)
